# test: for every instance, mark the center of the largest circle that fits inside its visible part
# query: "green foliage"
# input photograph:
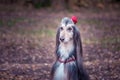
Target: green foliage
(1, 23)
(11, 23)
(44, 3)
(36, 32)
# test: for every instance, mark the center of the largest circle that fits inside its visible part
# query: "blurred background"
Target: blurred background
(28, 29)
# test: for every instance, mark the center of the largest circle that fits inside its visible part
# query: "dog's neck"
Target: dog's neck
(65, 49)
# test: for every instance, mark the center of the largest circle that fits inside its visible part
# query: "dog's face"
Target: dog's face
(66, 33)
(66, 30)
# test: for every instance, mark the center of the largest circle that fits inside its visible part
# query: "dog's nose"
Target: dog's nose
(62, 39)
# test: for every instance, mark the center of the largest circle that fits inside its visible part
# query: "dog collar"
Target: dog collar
(66, 61)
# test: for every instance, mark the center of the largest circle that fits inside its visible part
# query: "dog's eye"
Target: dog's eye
(69, 29)
(61, 28)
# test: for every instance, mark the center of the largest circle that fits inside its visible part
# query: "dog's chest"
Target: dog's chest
(65, 50)
(59, 74)
(63, 70)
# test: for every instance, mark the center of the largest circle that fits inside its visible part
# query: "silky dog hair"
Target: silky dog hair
(68, 45)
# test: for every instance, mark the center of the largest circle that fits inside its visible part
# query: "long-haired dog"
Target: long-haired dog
(68, 65)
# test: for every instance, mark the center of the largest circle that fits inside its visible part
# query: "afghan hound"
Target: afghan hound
(68, 65)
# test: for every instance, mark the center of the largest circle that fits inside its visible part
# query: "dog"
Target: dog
(69, 64)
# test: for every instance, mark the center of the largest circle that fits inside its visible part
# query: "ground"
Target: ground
(27, 42)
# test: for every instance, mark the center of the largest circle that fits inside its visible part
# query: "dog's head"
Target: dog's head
(68, 32)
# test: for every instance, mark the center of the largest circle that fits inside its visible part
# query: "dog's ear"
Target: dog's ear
(57, 39)
(77, 41)
(78, 48)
